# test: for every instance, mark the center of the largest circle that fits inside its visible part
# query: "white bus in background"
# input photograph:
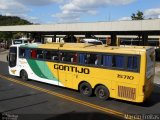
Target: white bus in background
(92, 41)
(20, 41)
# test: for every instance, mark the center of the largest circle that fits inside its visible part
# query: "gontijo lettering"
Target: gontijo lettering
(72, 69)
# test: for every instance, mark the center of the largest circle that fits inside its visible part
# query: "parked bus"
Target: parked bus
(125, 73)
(92, 41)
(20, 41)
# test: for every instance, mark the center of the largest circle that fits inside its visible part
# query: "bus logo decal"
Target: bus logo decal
(72, 69)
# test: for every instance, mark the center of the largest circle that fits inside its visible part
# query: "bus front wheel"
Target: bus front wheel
(24, 75)
(85, 89)
(102, 92)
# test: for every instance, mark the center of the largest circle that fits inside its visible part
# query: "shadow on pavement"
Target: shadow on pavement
(154, 98)
(19, 96)
(25, 106)
(69, 116)
(84, 116)
(4, 68)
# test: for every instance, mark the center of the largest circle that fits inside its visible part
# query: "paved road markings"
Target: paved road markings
(103, 109)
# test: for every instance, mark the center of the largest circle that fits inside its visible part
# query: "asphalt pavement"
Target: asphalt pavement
(27, 103)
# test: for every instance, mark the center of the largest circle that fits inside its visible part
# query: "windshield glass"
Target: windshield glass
(12, 56)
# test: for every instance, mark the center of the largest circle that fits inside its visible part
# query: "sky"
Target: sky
(71, 11)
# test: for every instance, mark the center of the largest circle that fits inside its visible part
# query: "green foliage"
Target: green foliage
(138, 16)
(11, 20)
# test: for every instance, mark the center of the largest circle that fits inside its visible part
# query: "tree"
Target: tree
(11, 20)
(138, 16)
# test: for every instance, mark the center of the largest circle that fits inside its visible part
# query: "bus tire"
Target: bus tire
(24, 75)
(102, 92)
(86, 89)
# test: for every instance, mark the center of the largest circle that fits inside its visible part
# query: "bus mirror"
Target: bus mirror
(7, 58)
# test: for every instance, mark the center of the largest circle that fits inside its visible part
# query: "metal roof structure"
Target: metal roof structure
(120, 27)
(140, 28)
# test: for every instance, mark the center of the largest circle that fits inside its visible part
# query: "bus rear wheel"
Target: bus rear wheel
(85, 89)
(24, 75)
(102, 92)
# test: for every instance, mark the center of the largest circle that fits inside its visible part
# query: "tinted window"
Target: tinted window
(68, 57)
(36, 54)
(106, 60)
(24, 53)
(33, 54)
(12, 56)
(39, 54)
(88, 58)
(21, 52)
(51, 55)
(132, 63)
(118, 61)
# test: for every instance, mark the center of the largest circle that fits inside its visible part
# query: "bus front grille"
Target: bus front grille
(127, 92)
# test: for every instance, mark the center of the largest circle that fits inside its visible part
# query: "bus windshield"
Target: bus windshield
(12, 56)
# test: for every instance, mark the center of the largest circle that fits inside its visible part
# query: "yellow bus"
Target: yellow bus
(125, 73)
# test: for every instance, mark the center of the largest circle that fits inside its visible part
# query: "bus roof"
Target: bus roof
(87, 47)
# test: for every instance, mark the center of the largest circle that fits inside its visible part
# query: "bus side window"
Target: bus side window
(107, 60)
(24, 53)
(118, 61)
(68, 57)
(82, 58)
(27, 53)
(132, 63)
(33, 54)
(21, 53)
(88, 58)
(74, 58)
(93, 59)
(63, 56)
(51, 55)
(39, 54)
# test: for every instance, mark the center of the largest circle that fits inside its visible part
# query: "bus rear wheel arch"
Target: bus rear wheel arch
(85, 89)
(24, 75)
(102, 92)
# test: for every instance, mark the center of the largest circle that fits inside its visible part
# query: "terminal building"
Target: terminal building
(134, 32)
(141, 31)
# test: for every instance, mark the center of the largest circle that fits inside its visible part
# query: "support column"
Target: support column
(113, 39)
(139, 39)
(54, 38)
(42, 39)
(145, 39)
(28, 35)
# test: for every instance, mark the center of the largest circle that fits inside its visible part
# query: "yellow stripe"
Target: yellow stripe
(106, 110)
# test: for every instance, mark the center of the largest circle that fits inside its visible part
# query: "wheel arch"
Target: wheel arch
(21, 71)
(99, 85)
(83, 81)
